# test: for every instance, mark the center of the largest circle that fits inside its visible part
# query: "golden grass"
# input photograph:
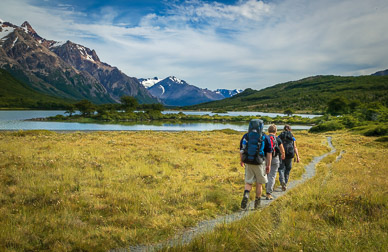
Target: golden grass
(102, 190)
(343, 208)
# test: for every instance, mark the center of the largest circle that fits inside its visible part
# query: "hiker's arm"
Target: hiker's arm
(241, 162)
(282, 151)
(268, 161)
(296, 152)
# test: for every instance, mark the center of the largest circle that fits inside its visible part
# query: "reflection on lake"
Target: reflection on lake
(14, 120)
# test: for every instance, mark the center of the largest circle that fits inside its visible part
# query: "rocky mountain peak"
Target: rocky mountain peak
(28, 28)
(75, 54)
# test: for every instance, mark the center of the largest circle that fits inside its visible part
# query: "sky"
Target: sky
(219, 44)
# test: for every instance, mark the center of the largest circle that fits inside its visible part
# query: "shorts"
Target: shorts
(255, 173)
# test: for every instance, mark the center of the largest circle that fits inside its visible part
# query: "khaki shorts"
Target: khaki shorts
(255, 173)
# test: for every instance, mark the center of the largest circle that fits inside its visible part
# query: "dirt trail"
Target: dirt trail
(188, 235)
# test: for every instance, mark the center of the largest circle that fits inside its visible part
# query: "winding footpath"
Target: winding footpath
(188, 235)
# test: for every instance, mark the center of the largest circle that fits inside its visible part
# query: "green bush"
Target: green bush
(379, 130)
(350, 121)
(327, 126)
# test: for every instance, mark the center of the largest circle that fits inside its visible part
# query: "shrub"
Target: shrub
(327, 126)
(350, 121)
(379, 130)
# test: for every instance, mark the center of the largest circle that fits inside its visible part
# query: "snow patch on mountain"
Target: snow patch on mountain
(84, 53)
(149, 82)
(176, 80)
(14, 42)
(163, 90)
(5, 31)
(58, 43)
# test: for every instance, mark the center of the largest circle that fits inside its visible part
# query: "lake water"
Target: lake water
(15, 120)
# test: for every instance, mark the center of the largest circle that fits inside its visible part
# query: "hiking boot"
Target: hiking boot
(257, 202)
(284, 187)
(269, 197)
(244, 203)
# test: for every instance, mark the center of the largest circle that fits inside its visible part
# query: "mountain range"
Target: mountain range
(63, 69)
(175, 92)
(71, 71)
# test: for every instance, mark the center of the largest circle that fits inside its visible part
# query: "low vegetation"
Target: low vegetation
(158, 116)
(368, 119)
(102, 190)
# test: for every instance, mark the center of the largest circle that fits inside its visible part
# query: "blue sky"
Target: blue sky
(219, 44)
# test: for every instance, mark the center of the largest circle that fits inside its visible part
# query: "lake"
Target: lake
(15, 120)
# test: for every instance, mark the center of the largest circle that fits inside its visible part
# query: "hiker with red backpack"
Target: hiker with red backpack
(256, 156)
(278, 155)
(291, 152)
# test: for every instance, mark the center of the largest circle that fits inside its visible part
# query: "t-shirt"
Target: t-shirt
(267, 143)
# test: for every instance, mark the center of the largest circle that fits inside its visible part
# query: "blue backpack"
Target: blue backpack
(253, 144)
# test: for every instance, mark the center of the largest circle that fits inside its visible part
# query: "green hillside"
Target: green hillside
(15, 94)
(306, 95)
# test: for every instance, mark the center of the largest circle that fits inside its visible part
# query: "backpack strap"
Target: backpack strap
(261, 151)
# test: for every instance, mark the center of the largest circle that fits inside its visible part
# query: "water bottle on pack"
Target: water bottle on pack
(244, 144)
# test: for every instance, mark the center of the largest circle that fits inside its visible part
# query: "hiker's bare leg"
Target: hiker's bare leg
(259, 190)
(248, 187)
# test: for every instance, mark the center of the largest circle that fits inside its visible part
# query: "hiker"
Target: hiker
(289, 144)
(278, 155)
(255, 155)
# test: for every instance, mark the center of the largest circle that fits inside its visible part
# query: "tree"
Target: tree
(128, 103)
(85, 107)
(337, 106)
(153, 107)
(289, 112)
(70, 110)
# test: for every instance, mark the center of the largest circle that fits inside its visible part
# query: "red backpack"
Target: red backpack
(274, 146)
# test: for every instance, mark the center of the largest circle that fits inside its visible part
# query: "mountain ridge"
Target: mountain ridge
(53, 68)
(308, 95)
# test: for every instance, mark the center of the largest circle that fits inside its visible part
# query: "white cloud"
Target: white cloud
(250, 44)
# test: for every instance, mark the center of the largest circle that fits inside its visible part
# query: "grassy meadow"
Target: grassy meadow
(96, 191)
(343, 208)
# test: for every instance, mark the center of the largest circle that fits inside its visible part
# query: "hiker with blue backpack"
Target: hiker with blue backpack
(256, 156)
(278, 154)
(289, 144)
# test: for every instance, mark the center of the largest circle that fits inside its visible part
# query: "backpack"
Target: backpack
(274, 146)
(253, 144)
(288, 144)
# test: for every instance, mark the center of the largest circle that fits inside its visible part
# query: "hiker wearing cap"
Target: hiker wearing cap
(255, 155)
(278, 155)
(291, 151)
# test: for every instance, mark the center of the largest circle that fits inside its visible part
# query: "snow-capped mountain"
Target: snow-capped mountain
(63, 69)
(228, 93)
(175, 92)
